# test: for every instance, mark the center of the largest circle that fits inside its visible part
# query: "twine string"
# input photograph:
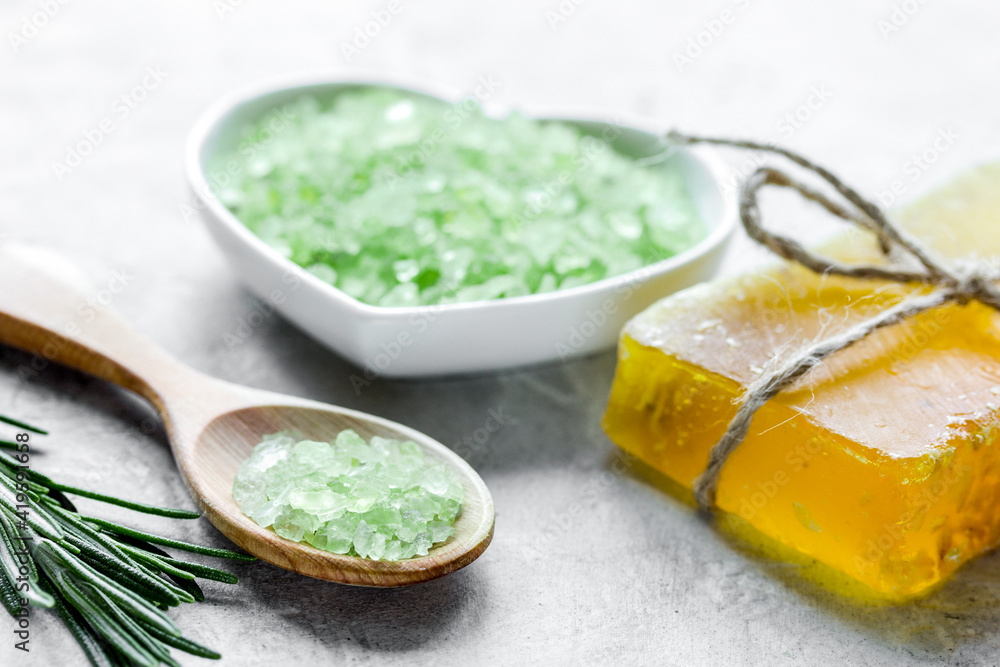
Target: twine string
(958, 282)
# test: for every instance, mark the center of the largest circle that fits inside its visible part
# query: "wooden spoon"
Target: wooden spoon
(211, 424)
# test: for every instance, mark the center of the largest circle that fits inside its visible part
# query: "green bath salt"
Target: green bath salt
(399, 200)
(381, 500)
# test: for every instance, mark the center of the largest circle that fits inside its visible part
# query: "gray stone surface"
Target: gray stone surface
(588, 566)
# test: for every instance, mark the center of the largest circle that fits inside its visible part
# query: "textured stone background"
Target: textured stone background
(634, 575)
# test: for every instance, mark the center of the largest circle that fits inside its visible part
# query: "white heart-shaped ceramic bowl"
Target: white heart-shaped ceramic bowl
(453, 338)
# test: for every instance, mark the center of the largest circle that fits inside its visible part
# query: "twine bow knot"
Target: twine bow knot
(960, 282)
(976, 285)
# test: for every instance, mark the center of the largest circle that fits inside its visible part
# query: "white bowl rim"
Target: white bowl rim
(211, 119)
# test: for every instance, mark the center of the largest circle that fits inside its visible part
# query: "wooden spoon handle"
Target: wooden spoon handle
(47, 308)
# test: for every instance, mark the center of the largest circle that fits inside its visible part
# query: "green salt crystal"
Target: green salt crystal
(435, 480)
(307, 521)
(311, 454)
(349, 190)
(406, 269)
(249, 493)
(271, 508)
(383, 518)
(427, 506)
(288, 529)
(410, 451)
(394, 550)
(410, 525)
(397, 476)
(339, 535)
(382, 500)
(322, 500)
(363, 496)
(377, 548)
(401, 296)
(324, 272)
(422, 543)
(449, 510)
(364, 538)
(439, 531)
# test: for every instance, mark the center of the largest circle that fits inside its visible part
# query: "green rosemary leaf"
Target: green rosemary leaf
(158, 563)
(18, 541)
(72, 522)
(104, 624)
(125, 574)
(35, 519)
(120, 594)
(41, 511)
(178, 592)
(33, 474)
(189, 586)
(153, 595)
(11, 570)
(183, 582)
(11, 464)
(7, 444)
(55, 555)
(183, 593)
(9, 477)
(19, 424)
(168, 542)
(9, 597)
(89, 641)
(111, 500)
(183, 644)
(9, 461)
(137, 633)
(9, 483)
(111, 545)
(204, 571)
(134, 558)
(61, 498)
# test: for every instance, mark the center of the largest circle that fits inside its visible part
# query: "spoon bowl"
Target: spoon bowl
(227, 440)
(212, 425)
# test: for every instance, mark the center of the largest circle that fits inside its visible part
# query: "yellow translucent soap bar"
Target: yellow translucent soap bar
(883, 463)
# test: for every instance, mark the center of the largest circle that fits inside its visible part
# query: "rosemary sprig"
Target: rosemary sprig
(109, 583)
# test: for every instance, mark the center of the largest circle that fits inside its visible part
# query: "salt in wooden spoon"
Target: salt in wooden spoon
(212, 425)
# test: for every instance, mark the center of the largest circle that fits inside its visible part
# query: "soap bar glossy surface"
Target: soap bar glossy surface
(884, 462)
